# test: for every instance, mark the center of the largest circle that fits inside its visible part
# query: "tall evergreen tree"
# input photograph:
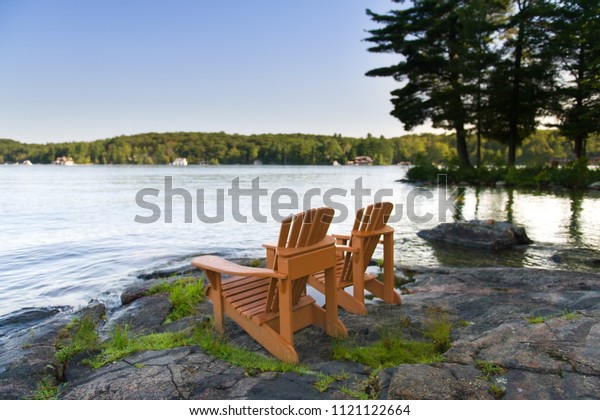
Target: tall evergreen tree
(482, 22)
(522, 80)
(578, 57)
(430, 40)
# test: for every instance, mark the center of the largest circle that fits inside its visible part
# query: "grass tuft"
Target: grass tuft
(489, 369)
(78, 336)
(215, 345)
(47, 389)
(184, 295)
(121, 345)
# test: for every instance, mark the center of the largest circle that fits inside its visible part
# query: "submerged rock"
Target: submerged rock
(477, 234)
(578, 257)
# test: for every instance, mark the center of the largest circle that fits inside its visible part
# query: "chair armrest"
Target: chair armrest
(341, 239)
(220, 265)
(352, 249)
(271, 250)
(382, 231)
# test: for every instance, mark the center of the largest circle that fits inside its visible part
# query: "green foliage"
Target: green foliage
(498, 391)
(489, 369)
(570, 315)
(323, 381)
(576, 175)
(78, 336)
(120, 337)
(121, 345)
(215, 345)
(47, 389)
(154, 148)
(567, 314)
(184, 295)
(387, 352)
(366, 390)
(256, 262)
(536, 319)
(438, 329)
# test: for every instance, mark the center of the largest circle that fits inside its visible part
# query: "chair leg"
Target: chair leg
(344, 299)
(286, 329)
(216, 297)
(266, 336)
(388, 269)
(377, 289)
(319, 320)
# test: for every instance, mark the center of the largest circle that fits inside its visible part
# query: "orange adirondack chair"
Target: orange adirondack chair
(271, 303)
(354, 254)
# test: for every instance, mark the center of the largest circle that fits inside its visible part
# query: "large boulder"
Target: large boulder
(477, 234)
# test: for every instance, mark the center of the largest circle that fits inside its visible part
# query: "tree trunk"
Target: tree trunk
(579, 146)
(513, 123)
(461, 147)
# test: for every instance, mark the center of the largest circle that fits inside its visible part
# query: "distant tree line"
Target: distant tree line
(494, 68)
(297, 149)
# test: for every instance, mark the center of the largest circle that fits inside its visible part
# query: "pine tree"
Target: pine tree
(577, 104)
(521, 83)
(430, 41)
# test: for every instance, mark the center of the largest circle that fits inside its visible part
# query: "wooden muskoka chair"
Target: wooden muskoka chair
(271, 303)
(353, 257)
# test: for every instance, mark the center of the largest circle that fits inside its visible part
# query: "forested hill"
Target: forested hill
(222, 148)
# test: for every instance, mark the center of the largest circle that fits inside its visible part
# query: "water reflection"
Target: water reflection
(575, 233)
(510, 202)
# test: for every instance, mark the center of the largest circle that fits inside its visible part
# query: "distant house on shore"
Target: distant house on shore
(361, 161)
(27, 162)
(180, 162)
(64, 161)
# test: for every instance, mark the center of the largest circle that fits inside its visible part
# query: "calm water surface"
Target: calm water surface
(68, 235)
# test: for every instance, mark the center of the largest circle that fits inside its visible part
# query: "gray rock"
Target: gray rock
(477, 234)
(438, 382)
(143, 316)
(578, 257)
(555, 356)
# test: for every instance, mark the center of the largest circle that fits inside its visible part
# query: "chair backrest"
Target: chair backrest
(300, 230)
(368, 219)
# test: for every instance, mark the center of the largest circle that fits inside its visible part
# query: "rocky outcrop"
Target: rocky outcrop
(477, 234)
(518, 334)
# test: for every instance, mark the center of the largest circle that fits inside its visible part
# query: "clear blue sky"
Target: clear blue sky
(75, 70)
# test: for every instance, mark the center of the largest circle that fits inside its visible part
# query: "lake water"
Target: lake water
(69, 235)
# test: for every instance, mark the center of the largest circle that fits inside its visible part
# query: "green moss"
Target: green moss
(256, 262)
(78, 336)
(356, 394)
(497, 391)
(215, 345)
(365, 390)
(570, 315)
(184, 295)
(536, 319)
(47, 389)
(323, 381)
(121, 345)
(438, 328)
(489, 369)
(566, 314)
(387, 352)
